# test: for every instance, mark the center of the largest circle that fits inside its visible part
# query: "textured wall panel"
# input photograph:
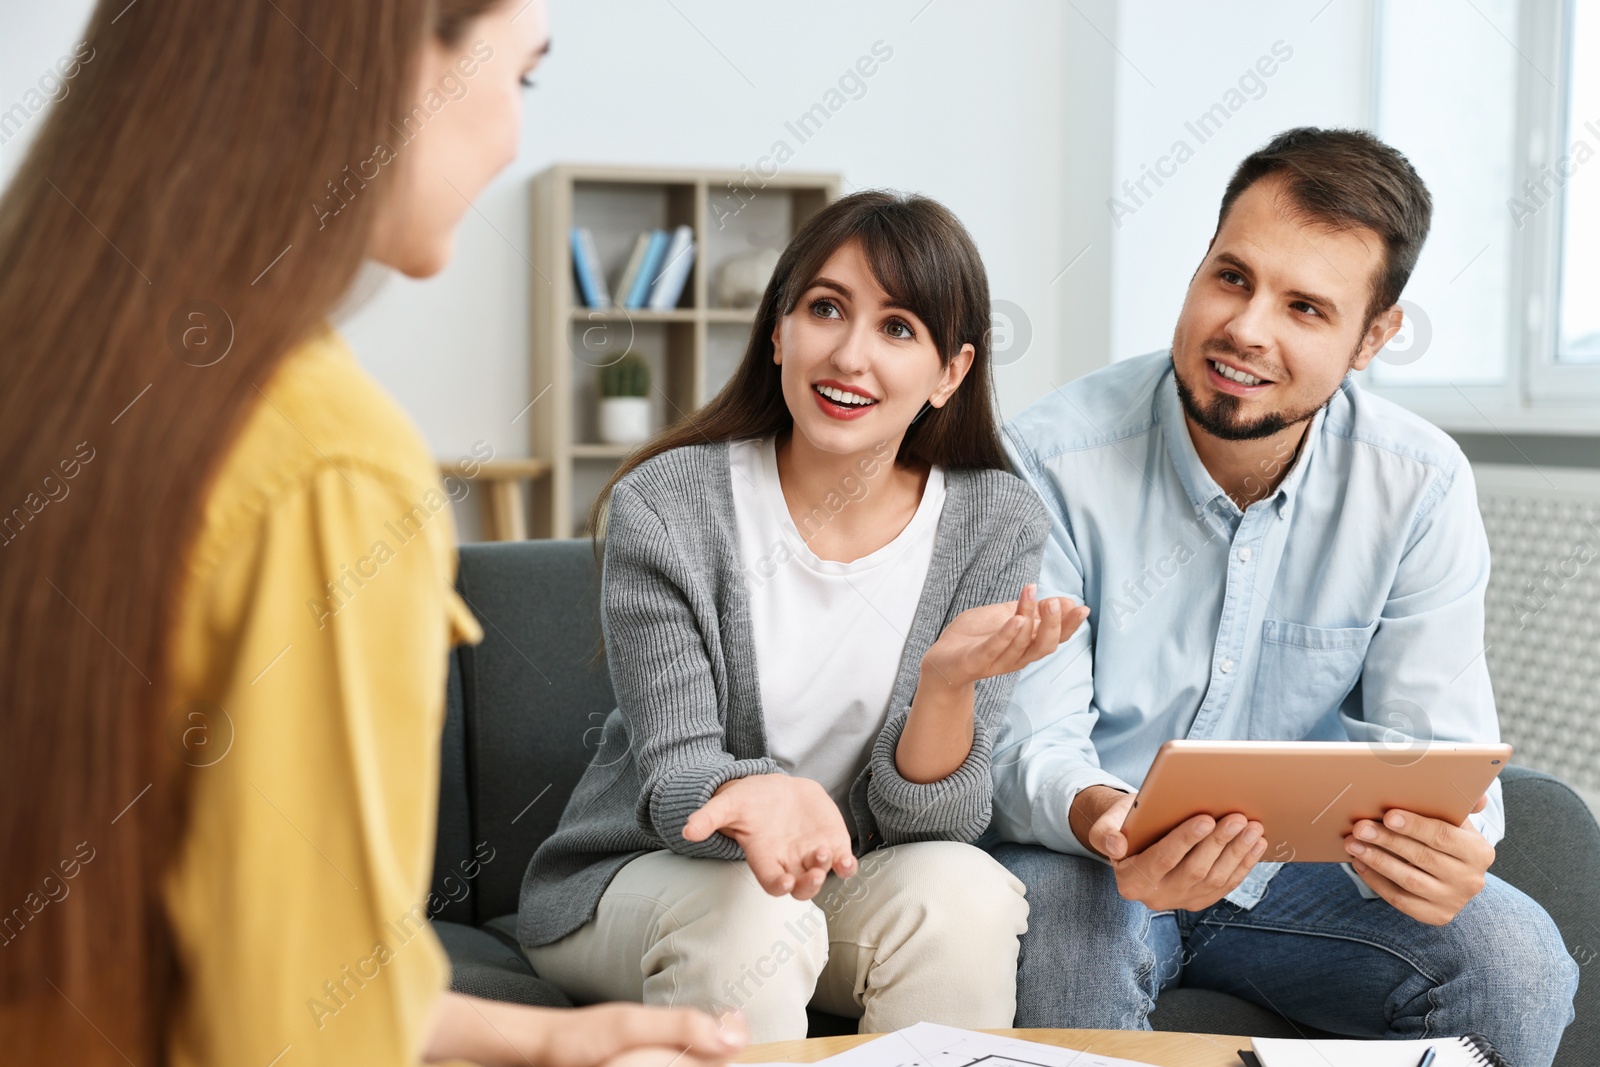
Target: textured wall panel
(1543, 626)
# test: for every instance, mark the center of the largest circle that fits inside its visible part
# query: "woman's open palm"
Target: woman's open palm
(996, 639)
(791, 831)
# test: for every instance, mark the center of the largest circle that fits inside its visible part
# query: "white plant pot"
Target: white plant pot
(624, 420)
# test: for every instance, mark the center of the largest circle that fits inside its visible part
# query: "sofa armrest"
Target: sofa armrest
(1551, 852)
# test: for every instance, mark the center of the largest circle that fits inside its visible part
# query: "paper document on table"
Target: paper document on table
(932, 1045)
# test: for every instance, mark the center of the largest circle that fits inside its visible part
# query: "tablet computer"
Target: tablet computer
(1308, 794)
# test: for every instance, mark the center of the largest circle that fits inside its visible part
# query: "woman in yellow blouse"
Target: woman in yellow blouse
(226, 562)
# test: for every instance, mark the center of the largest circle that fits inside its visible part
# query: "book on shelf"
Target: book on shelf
(624, 287)
(668, 284)
(586, 264)
(656, 242)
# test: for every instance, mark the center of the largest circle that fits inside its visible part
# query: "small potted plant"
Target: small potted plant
(625, 400)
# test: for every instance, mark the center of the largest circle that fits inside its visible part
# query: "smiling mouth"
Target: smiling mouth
(1237, 375)
(843, 397)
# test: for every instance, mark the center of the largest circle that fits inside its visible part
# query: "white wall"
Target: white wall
(971, 109)
(1023, 117)
(1180, 60)
(33, 37)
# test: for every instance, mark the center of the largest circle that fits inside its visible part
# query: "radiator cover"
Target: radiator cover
(1542, 630)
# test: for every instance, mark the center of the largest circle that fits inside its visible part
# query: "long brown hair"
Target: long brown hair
(926, 261)
(175, 208)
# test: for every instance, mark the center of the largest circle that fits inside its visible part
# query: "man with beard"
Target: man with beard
(1268, 553)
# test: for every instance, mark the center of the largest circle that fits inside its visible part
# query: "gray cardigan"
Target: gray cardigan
(675, 615)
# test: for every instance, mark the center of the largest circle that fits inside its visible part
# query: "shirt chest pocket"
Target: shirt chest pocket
(1305, 672)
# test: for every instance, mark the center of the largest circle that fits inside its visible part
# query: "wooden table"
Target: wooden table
(1164, 1050)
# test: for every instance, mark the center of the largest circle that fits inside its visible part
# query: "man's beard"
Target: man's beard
(1220, 418)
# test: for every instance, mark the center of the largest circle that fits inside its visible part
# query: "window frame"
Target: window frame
(1537, 394)
(1548, 379)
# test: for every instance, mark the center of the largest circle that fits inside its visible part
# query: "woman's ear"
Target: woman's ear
(777, 345)
(955, 372)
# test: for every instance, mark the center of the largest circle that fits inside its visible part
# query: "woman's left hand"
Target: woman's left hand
(997, 639)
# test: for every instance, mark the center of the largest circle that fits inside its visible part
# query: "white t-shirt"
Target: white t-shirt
(828, 635)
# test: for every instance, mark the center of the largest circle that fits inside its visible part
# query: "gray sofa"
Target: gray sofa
(523, 713)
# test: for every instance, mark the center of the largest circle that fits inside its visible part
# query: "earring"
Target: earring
(927, 405)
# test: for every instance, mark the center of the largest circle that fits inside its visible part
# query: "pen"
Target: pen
(1427, 1057)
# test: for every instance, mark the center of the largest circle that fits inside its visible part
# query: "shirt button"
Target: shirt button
(1245, 554)
(1227, 666)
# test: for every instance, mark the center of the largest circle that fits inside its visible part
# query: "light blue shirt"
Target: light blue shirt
(1345, 605)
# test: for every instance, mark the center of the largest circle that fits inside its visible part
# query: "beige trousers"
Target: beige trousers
(922, 932)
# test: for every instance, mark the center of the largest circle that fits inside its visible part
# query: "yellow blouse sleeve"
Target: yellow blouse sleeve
(314, 658)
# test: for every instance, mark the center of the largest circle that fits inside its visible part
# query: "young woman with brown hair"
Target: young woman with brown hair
(226, 590)
(782, 808)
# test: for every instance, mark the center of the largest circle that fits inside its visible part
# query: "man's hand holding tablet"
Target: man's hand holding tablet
(1192, 867)
(1207, 810)
(1427, 868)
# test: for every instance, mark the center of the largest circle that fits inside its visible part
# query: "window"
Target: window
(1493, 106)
(1578, 337)
(1445, 90)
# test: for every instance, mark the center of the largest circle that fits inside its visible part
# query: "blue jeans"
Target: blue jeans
(1313, 950)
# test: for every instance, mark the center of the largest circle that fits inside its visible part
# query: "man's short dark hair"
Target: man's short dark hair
(1343, 179)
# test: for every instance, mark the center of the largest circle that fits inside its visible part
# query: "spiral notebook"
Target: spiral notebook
(1469, 1051)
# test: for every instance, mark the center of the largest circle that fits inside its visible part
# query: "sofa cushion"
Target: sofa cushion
(535, 699)
(1205, 1011)
(452, 847)
(483, 965)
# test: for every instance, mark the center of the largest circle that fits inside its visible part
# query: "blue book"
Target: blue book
(668, 287)
(648, 269)
(586, 264)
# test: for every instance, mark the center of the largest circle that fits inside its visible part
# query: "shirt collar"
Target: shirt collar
(1197, 481)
